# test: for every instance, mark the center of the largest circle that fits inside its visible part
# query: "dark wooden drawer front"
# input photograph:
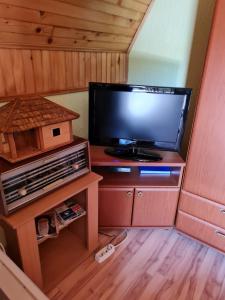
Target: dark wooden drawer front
(202, 230)
(202, 208)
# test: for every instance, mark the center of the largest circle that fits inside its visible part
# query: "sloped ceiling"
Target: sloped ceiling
(108, 25)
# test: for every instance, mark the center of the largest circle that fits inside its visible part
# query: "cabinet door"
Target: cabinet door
(115, 206)
(155, 207)
(206, 160)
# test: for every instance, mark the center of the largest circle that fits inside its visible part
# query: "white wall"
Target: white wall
(77, 102)
(160, 54)
(171, 47)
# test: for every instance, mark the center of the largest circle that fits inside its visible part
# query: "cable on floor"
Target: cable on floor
(115, 237)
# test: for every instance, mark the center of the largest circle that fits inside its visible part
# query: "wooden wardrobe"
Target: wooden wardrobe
(202, 203)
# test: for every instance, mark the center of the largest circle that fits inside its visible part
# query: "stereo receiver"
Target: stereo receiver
(24, 182)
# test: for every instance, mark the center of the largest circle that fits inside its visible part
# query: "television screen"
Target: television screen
(143, 115)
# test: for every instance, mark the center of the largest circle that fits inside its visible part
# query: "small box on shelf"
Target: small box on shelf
(69, 211)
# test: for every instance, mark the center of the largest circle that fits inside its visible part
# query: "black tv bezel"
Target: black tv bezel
(142, 88)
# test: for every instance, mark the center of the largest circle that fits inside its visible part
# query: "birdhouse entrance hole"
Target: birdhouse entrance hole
(56, 131)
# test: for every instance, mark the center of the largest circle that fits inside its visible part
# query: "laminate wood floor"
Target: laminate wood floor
(150, 264)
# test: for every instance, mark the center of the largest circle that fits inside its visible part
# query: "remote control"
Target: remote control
(104, 253)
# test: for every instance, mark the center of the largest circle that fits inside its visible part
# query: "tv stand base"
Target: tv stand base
(136, 154)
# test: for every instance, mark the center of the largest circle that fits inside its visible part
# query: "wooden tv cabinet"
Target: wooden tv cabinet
(49, 262)
(133, 199)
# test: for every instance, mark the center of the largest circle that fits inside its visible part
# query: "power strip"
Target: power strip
(104, 253)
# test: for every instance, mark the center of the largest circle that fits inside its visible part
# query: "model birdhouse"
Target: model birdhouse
(31, 126)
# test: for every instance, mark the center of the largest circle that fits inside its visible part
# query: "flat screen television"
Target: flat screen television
(131, 119)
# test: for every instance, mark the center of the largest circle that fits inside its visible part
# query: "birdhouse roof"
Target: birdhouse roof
(24, 114)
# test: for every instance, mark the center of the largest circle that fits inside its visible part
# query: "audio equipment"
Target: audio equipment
(26, 181)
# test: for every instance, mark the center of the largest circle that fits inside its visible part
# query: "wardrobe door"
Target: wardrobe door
(205, 173)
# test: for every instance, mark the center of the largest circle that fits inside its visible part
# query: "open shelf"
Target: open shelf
(135, 179)
(61, 256)
(104, 164)
(60, 227)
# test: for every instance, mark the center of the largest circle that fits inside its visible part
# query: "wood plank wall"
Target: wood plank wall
(24, 72)
(48, 46)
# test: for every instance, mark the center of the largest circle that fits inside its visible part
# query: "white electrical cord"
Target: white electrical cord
(114, 237)
(123, 240)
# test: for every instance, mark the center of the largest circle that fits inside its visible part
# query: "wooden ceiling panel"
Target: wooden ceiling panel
(15, 40)
(116, 10)
(134, 5)
(69, 10)
(7, 25)
(87, 25)
(143, 1)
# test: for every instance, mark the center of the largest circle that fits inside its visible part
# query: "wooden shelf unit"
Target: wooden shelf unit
(134, 199)
(49, 262)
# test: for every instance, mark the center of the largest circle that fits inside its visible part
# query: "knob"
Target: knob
(129, 193)
(140, 194)
(22, 191)
(75, 166)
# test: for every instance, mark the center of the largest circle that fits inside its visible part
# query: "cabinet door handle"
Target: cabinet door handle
(140, 194)
(220, 233)
(129, 194)
(222, 210)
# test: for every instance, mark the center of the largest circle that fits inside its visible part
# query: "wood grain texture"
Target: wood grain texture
(100, 158)
(12, 145)
(134, 179)
(2, 142)
(92, 221)
(23, 114)
(202, 208)
(151, 264)
(63, 138)
(70, 24)
(206, 160)
(54, 258)
(61, 256)
(29, 253)
(115, 206)
(155, 207)
(36, 37)
(202, 230)
(25, 72)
